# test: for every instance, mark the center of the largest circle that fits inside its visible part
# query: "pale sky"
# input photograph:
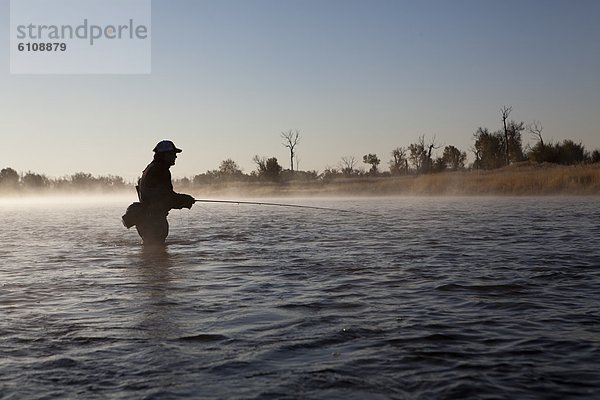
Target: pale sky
(354, 77)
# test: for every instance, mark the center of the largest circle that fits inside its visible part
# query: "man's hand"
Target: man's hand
(187, 201)
(182, 201)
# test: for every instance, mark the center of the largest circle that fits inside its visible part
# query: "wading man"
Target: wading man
(157, 198)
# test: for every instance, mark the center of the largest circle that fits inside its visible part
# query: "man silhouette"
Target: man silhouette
(157, 198)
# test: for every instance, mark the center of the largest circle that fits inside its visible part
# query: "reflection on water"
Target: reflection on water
(432, 298)
(155, 309)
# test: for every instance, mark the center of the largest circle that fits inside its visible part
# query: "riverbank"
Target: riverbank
(523, 179)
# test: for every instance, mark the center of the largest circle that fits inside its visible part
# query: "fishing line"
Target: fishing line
(261, 203)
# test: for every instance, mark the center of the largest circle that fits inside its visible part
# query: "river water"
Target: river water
(403, 298)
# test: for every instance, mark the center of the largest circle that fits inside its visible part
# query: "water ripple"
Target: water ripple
(426, 298)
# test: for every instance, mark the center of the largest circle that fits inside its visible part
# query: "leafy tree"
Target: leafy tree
(453, 158)
(330, 174)
(417, 154)
(34, 181)
(399, 161)
(489, 149)
(566, 153)
(515, 147)
(82, 180)
(595, 158)
(373, 160)
(541, 152)
(201, 179)
(229, 168)
(439, 165)
(570, 153)
(110, 181)
(228, 171)
(268, 168)
(299, 176)
(273, 168)
(9, 178)
(184, 182)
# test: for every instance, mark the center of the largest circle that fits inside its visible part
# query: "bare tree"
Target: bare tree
(505, 113)
(261, 163)
(477, 153)
(420, 154)
(347, 165)
(535, 129)
(290, 140)
(431, 146)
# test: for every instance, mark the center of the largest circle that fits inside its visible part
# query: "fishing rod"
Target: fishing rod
(261, 203)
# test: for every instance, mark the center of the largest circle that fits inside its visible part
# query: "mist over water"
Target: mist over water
(419, 298)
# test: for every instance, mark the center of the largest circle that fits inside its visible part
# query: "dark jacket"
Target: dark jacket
(155, 190)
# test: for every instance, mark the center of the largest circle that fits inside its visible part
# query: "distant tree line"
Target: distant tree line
(491, 150)
(504, 147)
(11, 180)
